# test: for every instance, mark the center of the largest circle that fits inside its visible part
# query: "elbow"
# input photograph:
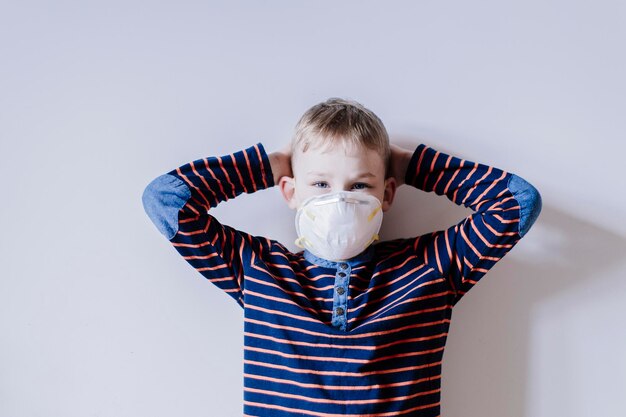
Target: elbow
(529, 200)
(162, 200)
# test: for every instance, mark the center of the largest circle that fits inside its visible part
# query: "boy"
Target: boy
(346, 327)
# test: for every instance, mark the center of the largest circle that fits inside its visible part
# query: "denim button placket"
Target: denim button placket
(340, 296)
(342, 280)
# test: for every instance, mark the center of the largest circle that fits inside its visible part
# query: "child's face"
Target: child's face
(336, 168)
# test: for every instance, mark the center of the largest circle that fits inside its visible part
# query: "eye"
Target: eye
(320, 184)
(361, 185)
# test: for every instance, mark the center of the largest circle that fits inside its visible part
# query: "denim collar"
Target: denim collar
(363, 257)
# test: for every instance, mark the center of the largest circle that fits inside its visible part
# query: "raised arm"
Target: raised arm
(178, 203)
(505, 207)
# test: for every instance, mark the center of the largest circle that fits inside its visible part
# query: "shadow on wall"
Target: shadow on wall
(487, 354)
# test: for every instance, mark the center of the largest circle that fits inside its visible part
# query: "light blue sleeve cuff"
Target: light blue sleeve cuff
(529, 200)
(162, 199)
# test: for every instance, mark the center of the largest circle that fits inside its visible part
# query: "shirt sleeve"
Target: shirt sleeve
(179, 203)
(505, 207)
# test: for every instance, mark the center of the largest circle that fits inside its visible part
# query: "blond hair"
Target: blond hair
(338, 120)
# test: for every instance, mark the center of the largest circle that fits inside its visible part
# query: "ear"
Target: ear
(390, 191)
(287, 187)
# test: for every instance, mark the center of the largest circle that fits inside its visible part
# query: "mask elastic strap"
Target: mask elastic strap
(375, 237)
(373, 213)
(299, 241)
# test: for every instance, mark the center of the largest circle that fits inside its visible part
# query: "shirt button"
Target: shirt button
(339, 311)
(342, 274)
(343, 266)
(340, 290)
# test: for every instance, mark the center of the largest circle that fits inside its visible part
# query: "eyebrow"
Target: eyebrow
(321, 174)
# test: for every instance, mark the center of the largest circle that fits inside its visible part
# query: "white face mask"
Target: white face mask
(338, 226)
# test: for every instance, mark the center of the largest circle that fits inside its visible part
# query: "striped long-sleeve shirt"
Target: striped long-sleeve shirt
(362, 337)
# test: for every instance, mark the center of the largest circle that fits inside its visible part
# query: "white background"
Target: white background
(99, 316)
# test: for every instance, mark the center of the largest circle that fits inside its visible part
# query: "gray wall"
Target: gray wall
(99, 316)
